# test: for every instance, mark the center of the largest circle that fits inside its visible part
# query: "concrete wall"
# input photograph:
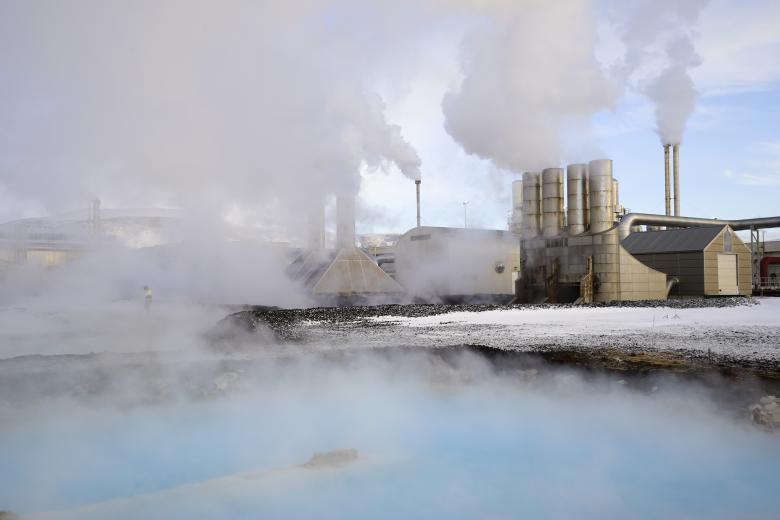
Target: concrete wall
(744, 272)
(688, 267)
(435, 262)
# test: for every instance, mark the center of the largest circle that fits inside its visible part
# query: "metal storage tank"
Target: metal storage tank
(517, 207)
(577, 180)
(602, 208)
(552, 202)
(532, 205)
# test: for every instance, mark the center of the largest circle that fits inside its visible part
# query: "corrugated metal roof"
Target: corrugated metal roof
(671, 240)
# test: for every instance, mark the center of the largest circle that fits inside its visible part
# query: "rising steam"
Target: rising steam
(529, 69)
(670, 25)
(197, 104)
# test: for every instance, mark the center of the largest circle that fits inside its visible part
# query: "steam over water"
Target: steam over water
(438, 435)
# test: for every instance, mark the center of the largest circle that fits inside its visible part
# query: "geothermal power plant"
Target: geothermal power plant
(569, 239)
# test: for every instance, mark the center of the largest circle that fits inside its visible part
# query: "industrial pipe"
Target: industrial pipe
(635, 219)
(671, 282)
(676, 150)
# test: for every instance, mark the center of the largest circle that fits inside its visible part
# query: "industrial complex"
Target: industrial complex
(569, 240)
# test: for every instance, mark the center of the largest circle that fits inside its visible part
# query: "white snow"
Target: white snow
(607, 320)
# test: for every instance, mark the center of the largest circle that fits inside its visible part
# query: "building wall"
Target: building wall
(441, 262)
(51, 257)
(744, 272)
(639, 281)
(688, 267)
(620, 276)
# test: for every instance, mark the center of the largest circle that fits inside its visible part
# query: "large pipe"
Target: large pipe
(552, 202)
(532, 205)
(345, 221)
(635, 219)
(602, 208)
(677, 180)
(577, 194)
(417, 187)
(667, 182)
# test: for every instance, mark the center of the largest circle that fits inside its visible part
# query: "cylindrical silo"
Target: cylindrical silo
(517, 207)
(532, 205)
(552, 202)
(576, 182)
(602, 208)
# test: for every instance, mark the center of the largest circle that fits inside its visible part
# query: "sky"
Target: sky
(253, 112)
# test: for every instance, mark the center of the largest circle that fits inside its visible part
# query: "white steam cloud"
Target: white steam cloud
(530, 69)
(671, 25)
(197, 104)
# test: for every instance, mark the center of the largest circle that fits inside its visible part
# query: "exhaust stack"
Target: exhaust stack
(345, 222)
(677, 180)
(667, 178)
(316, 225)
(417, 187)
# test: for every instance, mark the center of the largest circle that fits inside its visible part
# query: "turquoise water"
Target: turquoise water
(485, 448)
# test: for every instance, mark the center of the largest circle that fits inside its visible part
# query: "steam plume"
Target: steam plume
(529, 68)
(669, 24)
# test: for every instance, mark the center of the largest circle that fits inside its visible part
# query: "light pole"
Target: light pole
(465, 214)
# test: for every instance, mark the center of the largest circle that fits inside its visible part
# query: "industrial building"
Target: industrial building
(595, 251)
(457, 264)
(569, 240)
(709, 261)
(52, 241)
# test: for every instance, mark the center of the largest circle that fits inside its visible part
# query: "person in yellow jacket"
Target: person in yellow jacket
(147, 298)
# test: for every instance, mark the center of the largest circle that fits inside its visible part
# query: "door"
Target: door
(727, 275)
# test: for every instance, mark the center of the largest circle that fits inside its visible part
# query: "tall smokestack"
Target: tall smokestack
(94, 215)
(316, 225)
(345, 221)
(417, 187)
(667, 196)
(676, 180)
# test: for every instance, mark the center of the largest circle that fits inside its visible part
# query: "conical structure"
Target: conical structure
(352, 272)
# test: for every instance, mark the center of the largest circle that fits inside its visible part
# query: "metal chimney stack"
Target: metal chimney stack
(345, 221)
(417, 187)
(316, 225)
(94, 215)
(677, 180)
(667, 196)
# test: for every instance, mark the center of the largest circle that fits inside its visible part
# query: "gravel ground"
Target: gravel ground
(731, 331)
